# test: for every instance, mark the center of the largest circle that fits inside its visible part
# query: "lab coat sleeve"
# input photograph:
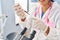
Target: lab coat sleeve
(57, 20)
(55, 32)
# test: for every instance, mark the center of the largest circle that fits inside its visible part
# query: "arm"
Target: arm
(57, 21)
(22, 14)
(54, 32)
(57, 24)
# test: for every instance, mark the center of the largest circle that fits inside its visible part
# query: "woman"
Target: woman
(49, 12)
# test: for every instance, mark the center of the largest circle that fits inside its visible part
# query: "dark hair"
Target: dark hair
(52, 0)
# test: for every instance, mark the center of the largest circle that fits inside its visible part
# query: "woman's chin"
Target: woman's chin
(43, 4)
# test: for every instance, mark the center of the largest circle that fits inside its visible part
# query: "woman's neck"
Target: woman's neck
(44, 8)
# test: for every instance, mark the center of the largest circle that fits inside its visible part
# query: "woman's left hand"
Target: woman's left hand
(19, 11)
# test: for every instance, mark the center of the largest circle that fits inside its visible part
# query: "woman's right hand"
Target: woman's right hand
(19, 11)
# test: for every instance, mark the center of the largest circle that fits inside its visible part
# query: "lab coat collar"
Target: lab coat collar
(44, 14)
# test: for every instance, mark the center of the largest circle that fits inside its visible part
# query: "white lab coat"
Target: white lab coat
(54, 17)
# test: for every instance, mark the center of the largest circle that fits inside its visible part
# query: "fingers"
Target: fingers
(18, 10)
(39, 25)
(17, 7)
(17, 4)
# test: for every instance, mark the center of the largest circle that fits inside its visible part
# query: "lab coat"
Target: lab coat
(53, 17)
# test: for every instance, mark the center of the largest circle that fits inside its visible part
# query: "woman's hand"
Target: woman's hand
(38, 24)
(19, 11)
